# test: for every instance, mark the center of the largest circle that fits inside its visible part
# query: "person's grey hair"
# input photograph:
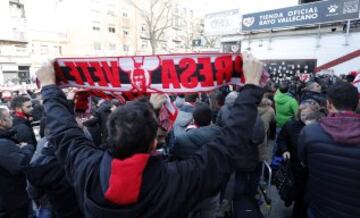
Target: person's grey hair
(231, 97)
(2, 110)
(310, 85)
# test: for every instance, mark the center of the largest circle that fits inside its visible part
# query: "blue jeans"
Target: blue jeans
(44, 212)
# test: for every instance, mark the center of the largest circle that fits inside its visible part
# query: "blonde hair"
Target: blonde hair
(308, 104)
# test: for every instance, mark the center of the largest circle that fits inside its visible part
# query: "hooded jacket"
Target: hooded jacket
(286, 108)
(331, 151)
(13, 160)
(187, 144)
(145, 185)
(47, 179)
(183, 119)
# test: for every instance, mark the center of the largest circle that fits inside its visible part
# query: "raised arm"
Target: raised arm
(205, 173)
(73, 149)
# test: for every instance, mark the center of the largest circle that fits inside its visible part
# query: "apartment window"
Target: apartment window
(143, 28)
(20, 48)
(125, 47)
(177, 22)
(126, 32)
(144, 44)
(97, 45)
(95, 12)
(96, 28)
(125, 14)
(112, 46)
(57, 50)
(111, 13)
(111, 29)
(60, 50)
(44, 49)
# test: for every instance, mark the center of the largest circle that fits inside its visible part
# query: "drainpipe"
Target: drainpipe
(347, 33)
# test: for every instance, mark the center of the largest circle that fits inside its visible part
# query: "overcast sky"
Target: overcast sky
(53, 19)
(245, 6)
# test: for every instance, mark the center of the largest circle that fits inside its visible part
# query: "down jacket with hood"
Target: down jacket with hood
(145, 185)
(183, 119)
(187, 144)
(286, 108)
(331, 151)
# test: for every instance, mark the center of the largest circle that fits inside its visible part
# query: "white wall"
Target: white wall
(331, 46)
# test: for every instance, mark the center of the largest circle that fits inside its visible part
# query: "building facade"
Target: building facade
(34, 32)
(14, 44)
(326, 33)
(47, 37)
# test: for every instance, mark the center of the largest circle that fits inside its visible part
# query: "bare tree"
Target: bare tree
(157, 16)
(210, 41)
(191, 32)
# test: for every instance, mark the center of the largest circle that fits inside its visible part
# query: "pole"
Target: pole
(318, 37)
(347, 33)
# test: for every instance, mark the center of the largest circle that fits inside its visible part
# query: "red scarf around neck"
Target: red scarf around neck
(21, 114)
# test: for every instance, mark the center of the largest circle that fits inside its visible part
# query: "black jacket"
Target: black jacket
(13, 160)
(97, 124)
(249, 162)
(331, 150)
(318, 97)
(187, 144)
(24, 131)
(287, 141)
(47, 178)
(38, 110)
(146, 185)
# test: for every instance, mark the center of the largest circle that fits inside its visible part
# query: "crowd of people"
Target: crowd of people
(121, 162)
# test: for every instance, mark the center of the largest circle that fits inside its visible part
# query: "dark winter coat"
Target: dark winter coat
(187, 146)
(146, 185)
(38, 110)
(331, 151)
(189, 143)
(97, 124)
(183, 119)
(287, 141)
(13, 161)
(318, 97)
(256, 139)
(47, 179)
(24, 130)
